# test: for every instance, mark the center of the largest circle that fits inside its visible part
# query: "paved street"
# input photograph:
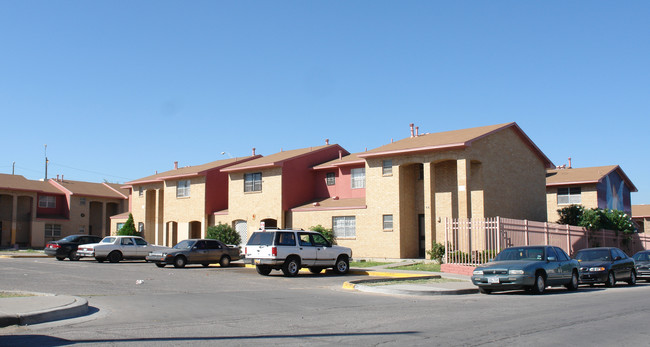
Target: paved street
(236, 306)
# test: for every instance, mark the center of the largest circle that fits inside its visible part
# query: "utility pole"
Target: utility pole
(46, 161)
(13, 168)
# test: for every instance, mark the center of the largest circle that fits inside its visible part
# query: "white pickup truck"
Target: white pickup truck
(291, 250)
(116, 248)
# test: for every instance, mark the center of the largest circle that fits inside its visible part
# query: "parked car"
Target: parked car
(291, 250)
(642, 264)
(195, 251)
(116, 248)
(531, 267)
(67, 246)
(605, 265)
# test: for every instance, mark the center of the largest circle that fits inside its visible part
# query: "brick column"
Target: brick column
(464, 204)
(14, 218)
(429, 205)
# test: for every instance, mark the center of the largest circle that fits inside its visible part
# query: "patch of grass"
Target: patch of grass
(422, 281)
(13, 295)
(366, 263)
(420, 267)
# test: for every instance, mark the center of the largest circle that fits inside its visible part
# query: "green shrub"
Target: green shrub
(128, 229)
(327, 233)
(437, 251)
(571, 214)
(224, 233)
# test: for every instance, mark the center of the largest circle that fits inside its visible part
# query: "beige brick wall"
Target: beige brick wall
(253, 207)
(186, 209)
(588, 197)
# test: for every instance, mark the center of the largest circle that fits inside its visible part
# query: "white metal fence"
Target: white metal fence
(476, 240)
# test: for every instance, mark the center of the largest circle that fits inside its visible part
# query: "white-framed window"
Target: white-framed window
(183, 189)
(358, 178)
(140, 191)
(387, 221)
(387, 167)
(253, 182)
(344, 226)
(52, 230)
(330, 178)
(82, 229)
(45, 201)
(82, 201)
(569, 195)
(119, 226)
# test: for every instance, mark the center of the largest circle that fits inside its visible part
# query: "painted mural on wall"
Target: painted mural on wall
(613, 193)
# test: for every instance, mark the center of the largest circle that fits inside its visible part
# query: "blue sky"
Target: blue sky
(120, 89)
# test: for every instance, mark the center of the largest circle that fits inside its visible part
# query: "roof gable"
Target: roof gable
(20, 183)
(586, 175)
(348, 160)
(192, 170)
(88, 189)
(278, 159)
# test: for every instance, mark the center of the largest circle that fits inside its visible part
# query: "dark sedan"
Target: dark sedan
(605, 265)
(642, 262)
(531, 267)
(196, 251)
(67, 246)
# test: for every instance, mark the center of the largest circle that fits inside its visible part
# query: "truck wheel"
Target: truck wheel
(263, 270)
(342, 265)
(291, 267)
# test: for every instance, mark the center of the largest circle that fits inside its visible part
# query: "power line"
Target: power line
(89, 171)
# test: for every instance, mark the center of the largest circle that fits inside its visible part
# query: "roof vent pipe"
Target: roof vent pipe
(253, 151)
(340, 154)
(175, 165)
(57, 178)
(570, 163)
(417, 131)
(327, 141)
(411, 125)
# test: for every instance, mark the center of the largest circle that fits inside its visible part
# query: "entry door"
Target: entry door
(242, 229)
(421, 237)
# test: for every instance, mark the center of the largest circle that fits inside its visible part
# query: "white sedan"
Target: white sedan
(116, 248)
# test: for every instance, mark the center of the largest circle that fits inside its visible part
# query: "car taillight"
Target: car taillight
(245, 250)
(274, 251)
(52, 245)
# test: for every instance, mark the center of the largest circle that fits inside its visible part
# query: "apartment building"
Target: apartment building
(35, 212)
(606, 187)
(641, 216)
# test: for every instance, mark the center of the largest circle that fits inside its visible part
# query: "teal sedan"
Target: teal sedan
(531, 268)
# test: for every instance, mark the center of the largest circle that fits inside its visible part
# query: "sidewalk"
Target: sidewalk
(39, 308)
(459, 284)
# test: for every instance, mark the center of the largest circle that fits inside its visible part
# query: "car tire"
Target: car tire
(316, 269)
(100, 260)
(611, 280)
(263, 270)
(224, 261)
(179, 262)
(114, 257)
(60, 258)
(160, 264)
(342, 265)
(205, 264)
(632, 280)
(291, 267)
(73, 256)
(484, 290)
(573, 285)
(540, 284)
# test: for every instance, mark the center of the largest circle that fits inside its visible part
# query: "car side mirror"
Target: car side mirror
(551, 258)
(193, 248)
(617, 258)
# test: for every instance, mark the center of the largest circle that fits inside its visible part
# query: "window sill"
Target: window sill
(388, 230)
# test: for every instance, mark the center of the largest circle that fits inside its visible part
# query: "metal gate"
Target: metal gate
(242, 229)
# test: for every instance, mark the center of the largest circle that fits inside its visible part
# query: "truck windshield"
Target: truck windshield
(261, 239)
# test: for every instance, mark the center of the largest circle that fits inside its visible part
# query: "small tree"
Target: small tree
(327, 233)
(128, 229)
(437, 251)
(571, 215)
(224, 233)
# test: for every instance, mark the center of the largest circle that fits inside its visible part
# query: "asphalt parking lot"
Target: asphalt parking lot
(136, 303)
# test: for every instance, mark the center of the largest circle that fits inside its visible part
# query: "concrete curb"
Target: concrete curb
(74, 307)
(9, 256)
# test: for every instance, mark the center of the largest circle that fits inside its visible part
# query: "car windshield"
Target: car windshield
(70, 238)
(186, 244)
(535, 253)
(641, 257)
(107, 239)
(261, 238)
(594, 255)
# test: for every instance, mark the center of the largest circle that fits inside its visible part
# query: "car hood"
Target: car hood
(597, 263)
(644, 262)
(507, 264)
